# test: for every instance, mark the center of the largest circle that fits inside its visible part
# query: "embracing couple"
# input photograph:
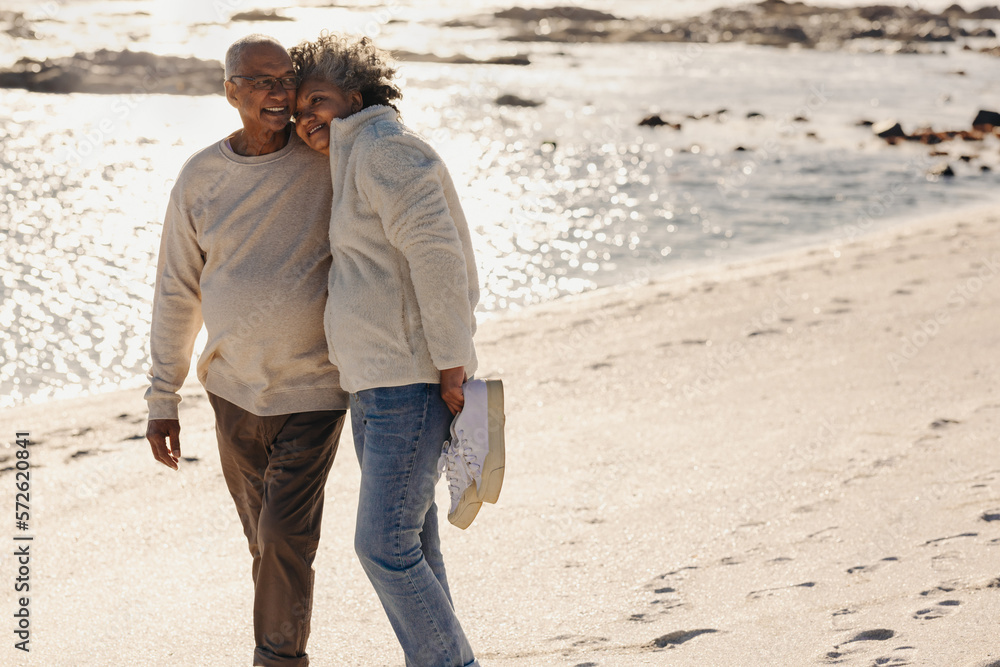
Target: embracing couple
(332, 266)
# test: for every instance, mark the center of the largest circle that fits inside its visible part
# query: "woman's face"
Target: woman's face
(319, 102)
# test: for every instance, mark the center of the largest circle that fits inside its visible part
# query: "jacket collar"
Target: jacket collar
(343, 131)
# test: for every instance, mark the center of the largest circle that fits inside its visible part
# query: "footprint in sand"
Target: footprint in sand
(667, 599)
(767, 592)
(903, 655)
(678, 637)
(871, 568)
(763, 332)
(132, 419)
(858, 643)
(939, 590)
(940, 610)
(940, 540)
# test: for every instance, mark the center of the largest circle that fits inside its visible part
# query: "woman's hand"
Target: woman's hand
(451, 388)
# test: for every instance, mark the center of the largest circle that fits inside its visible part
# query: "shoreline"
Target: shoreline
(809, 247)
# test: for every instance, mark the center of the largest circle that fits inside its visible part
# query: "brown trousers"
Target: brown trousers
(276, 470)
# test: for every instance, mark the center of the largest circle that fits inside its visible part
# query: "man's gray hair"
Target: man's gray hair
(234, 54)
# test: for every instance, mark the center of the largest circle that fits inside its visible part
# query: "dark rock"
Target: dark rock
(769, 23)
(880, 12)
(567, 13)
(15, 25)
(778, 35)
(755, 114)
(112, 72)
(515, 101)
(518, 60)
(888, 128)
(965, 158)
(864, 123)
(986, 120)
(926, 135)
(459, 59)
(656, 121)
(987, 13)
(739, 149)
(943, 169)
(985, 168)
(259, 15)
(871, 33)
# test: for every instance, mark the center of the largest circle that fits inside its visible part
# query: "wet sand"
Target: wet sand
(790, 461)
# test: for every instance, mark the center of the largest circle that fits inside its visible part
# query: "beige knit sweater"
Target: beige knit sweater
(245, 246)
(403, 287)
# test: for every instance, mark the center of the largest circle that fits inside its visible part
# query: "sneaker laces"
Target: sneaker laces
(452, 463)
(474, 468)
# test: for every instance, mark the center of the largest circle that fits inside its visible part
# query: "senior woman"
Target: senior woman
(399, 324)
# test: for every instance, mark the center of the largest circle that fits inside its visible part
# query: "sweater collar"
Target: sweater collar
(344, 130)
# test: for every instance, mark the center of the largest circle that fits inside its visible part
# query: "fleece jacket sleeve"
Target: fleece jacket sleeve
(403, 181)
(177, 314)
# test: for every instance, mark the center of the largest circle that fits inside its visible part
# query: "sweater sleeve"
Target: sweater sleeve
(403, 181)
(177, 314)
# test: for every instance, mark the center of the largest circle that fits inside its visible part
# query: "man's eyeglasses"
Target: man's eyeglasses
(267, 82)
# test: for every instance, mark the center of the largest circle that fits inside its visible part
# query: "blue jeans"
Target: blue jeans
(398, 435)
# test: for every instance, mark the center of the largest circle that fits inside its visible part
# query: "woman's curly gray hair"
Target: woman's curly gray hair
(351, 63)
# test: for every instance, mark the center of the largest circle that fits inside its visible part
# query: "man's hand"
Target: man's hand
(451, 388)
(158, 431)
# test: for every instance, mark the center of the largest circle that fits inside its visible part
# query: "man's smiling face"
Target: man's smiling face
(263, 111)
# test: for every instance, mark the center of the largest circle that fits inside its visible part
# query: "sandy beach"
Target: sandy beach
(790, 461)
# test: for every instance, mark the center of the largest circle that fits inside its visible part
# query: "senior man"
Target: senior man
(245, 249)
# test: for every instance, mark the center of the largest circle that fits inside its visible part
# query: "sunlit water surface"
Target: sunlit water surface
(563, 198)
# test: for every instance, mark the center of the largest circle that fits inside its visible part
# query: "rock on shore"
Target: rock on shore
(112, 72)
(771, 23)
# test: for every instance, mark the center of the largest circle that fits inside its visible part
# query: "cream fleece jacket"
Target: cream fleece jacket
(245, 247)
(403, 287)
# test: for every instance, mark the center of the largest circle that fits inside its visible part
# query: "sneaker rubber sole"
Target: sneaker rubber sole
(493, 467)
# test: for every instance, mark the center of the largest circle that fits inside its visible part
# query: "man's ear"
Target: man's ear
(231, 94)
(357, 102)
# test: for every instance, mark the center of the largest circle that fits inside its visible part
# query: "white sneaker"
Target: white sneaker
(474, 459)
(461, 485)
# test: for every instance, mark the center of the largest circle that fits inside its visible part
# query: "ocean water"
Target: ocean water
(565, 197)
